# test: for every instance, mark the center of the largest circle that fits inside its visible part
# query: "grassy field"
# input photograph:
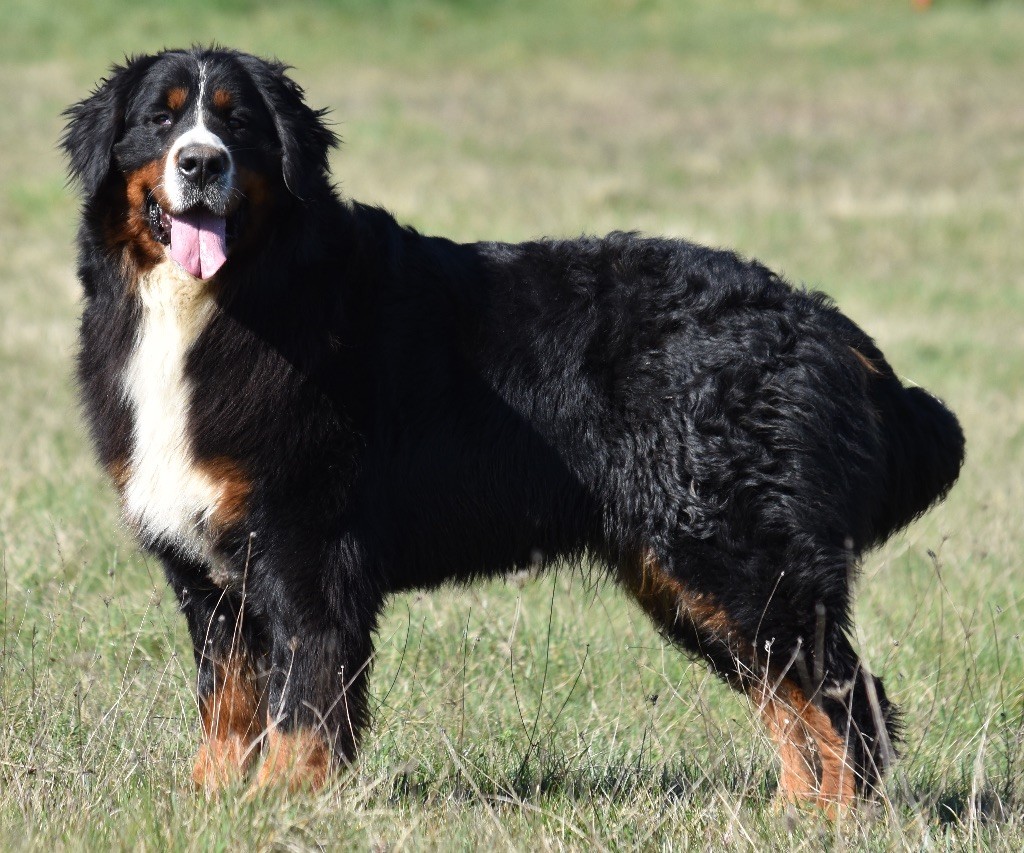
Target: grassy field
(859, 147)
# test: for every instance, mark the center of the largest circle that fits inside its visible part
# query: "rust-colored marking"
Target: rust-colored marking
(176, 97)
(221, 99)
(815, 763)
(128, 228)
(259, 202)
(668, 601)
(120, 472)
(235, 488)
(221, 762)
(140, 183)
(254, 188)
(230, 717)
(294, 760)
(259, 205)
(869, 365)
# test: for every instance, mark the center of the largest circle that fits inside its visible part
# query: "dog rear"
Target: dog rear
(924, 453)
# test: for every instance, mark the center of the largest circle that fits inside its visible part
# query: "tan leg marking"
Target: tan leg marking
(814, 758)
(813, 755)
(231, 725)
(294, 760)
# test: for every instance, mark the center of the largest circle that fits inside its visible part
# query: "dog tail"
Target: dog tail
(924, 448)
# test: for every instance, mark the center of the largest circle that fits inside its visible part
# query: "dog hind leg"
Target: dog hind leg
(828, 737)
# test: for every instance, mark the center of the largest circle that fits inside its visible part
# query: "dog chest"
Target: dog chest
(167, 496)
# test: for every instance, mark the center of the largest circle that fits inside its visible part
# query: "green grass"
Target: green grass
(858, 147)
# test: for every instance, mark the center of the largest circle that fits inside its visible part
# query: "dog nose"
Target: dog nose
(202, 164)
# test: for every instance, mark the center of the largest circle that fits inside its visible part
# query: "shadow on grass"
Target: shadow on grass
(558, 776)
(960, 807)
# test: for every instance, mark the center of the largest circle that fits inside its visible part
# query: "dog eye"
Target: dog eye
(237, 122)
(161, 119)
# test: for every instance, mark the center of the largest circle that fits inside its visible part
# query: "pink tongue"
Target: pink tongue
(198, 242)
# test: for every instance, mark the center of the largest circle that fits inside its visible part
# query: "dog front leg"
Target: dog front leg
(229, 646)
(318, 704)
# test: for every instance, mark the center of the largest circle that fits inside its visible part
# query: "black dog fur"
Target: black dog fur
(373, 410)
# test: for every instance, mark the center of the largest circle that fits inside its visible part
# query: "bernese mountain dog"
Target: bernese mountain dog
(306, 407)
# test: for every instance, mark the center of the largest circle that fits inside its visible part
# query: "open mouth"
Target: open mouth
(198, 238)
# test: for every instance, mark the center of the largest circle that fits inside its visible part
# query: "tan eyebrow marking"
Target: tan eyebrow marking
(221, 99)
(176, 97)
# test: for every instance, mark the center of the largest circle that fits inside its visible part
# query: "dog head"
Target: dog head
(184, 144)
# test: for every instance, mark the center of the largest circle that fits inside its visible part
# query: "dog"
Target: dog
(306, 407)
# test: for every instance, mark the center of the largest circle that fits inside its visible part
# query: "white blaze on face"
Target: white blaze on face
(167, 496)
(198, 134)
(198, 232)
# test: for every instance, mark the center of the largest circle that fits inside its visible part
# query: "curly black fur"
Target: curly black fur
(405, 411)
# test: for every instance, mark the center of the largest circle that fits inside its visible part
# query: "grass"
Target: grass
(858, 147)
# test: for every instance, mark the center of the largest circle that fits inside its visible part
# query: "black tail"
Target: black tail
(924, 452)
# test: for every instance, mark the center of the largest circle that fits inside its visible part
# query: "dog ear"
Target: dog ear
(95, 124)
(305, 138)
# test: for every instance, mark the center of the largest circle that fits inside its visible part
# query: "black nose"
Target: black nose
(202, 164)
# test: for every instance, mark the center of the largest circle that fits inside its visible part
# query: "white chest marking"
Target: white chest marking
(167, 495)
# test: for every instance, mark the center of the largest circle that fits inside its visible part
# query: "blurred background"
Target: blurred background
(874, 150)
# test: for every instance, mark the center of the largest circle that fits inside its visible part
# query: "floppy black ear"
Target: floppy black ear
(96, 123)
(305, 139)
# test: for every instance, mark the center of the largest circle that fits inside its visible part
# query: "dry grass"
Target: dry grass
(869, 151)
